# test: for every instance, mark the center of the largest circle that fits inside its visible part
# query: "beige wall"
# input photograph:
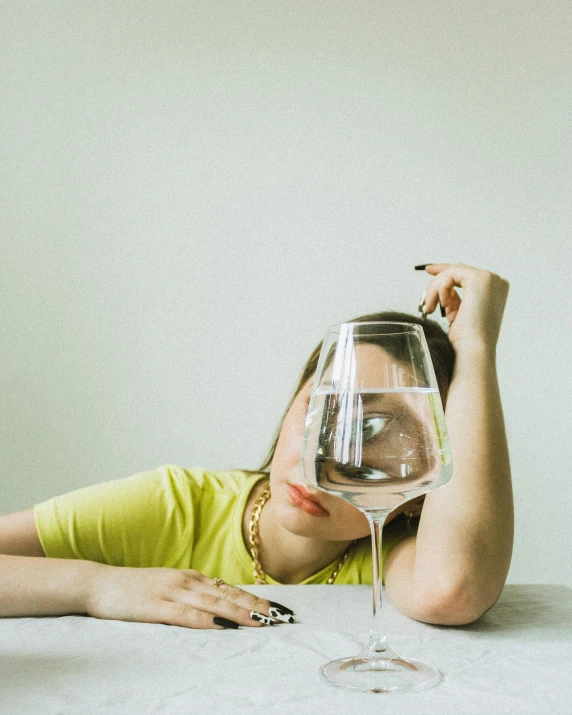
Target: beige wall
(190, 192)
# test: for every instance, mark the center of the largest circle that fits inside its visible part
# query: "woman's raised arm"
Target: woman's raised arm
(456, 567)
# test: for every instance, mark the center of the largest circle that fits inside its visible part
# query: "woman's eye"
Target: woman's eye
(372, 426)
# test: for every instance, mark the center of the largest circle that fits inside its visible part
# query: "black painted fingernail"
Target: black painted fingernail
(423, 267)
(280, 615)
(261, 618)
(442, 310)
(282, 608)
(224, 622)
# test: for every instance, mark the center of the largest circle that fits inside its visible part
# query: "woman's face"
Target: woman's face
(343, 522)
(337, 520)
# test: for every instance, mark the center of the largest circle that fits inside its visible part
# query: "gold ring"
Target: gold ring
(218, 582)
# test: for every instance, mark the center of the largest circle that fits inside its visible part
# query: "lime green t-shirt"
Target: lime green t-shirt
(178, 518)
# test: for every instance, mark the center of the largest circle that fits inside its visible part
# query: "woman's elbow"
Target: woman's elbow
(453, 606)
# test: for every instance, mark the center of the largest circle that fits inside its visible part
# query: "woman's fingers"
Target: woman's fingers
(477, 316)
(234, 594)
(449, 299)
(242, 600)
(439, 290)
(442, 290)
(179, 613)
(451, 302)
(213, 605)
(442, 287)
(231, 602)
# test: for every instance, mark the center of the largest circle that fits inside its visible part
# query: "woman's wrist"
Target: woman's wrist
(474, 351)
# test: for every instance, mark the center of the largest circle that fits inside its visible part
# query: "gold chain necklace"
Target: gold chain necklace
(254, 540)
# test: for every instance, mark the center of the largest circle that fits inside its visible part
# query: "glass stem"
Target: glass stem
(377, 642)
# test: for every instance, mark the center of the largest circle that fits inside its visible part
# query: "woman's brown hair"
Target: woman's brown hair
(442, 355)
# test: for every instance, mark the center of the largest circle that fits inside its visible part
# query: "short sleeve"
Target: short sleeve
(144, 520)
(394, 533)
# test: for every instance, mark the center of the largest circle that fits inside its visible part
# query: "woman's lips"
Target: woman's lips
(298, 495)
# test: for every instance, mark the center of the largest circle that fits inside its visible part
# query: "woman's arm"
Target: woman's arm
(456, 567)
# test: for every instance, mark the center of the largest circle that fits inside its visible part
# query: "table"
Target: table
(516, 659)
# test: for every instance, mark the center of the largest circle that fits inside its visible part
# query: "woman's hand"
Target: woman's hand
(476, 319)
(176, 597)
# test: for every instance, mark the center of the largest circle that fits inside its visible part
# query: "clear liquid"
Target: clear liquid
(376, 447)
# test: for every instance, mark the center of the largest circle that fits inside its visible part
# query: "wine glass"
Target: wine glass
(375, 436)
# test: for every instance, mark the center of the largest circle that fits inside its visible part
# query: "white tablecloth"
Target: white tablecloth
(516, 659)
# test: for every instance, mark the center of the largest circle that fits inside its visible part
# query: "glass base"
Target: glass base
(381, 675)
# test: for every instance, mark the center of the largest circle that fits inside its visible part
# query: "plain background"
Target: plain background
(191, 192)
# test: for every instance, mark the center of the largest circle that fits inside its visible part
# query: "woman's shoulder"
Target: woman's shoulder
(212, 480)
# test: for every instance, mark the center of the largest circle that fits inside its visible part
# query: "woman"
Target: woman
(187, 531)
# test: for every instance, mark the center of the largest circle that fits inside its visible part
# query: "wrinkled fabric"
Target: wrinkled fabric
(516, 659)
